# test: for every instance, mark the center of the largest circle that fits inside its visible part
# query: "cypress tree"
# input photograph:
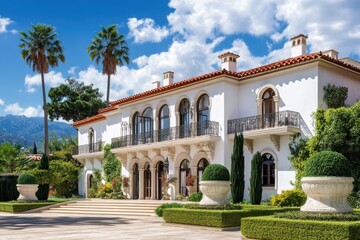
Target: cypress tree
(255, 179)
(43, 192)
(35, 149)
(237, 169)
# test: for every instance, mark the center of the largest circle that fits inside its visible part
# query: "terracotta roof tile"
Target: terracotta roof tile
(95, 118)
(107, 109)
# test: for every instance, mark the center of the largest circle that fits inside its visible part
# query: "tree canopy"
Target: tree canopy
(73, 101)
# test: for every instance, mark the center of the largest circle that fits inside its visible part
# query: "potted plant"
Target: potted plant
(327, 182)
(190, 183)
(215, 185)
(27, 187)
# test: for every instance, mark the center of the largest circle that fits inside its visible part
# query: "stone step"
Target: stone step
(114, 204)
(139, 208)
(105, 209)
(59, 211)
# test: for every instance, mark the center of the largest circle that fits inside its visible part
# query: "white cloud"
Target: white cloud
(145, 30)
(4, 22)
(72, 70)
(16, 109)
(1, 102)
(52, 79)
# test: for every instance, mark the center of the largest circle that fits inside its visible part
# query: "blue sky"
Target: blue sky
(178, 35)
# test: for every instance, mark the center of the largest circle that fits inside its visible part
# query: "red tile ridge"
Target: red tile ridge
(107, 109)
(228, 53)
(95, 118)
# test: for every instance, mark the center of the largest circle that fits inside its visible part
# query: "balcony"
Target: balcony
(88, 148)
(189, 131)
(271, 125)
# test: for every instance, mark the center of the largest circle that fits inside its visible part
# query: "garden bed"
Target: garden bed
(271, 228)
(215, 218)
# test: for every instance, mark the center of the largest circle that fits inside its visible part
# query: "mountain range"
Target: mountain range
(27, 130)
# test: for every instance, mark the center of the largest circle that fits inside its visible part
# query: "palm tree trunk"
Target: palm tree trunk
(108, 91)
(46, 127)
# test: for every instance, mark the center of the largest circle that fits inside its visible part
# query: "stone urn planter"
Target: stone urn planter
(327, 183)
(27, 187)
(215, 185)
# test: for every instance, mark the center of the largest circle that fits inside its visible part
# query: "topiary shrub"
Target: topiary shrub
(327, 163)
(288, 198)
(196, 197)
(216, 172)
(27, 178)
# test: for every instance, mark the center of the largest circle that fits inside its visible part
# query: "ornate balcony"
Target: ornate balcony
(88, 148)
(271, 125)
(204, 128)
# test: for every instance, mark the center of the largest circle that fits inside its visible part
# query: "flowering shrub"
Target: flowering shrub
(126, 181)
(190, 180)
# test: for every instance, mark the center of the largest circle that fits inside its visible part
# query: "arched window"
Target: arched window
(184, 109)
(202, 164)
(268, 102)
(268, 170)
(136, 128)
(203, 111)
(147, 125)
(91, 139)
(184, 171)
(147, 181)
(135, 181)
(164, 123)
(160, 174)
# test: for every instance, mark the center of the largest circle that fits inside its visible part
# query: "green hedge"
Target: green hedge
(272, 228)
(8, 191)
(214, 218)
(21, 207)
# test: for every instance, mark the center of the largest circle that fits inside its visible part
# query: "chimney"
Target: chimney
(228, 61)
(298, 45)
(331, 53)
(155, 84)
(168, 78)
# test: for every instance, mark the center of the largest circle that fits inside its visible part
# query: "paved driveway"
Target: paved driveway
(69, 227)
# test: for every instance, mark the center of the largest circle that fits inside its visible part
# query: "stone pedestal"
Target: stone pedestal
(27, 192)
(214, 192)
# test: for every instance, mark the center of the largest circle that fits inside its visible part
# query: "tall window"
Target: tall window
(91, 139)
(160, 187)
(203, 163)
(147, 181)
(164, 123)
(203, 114)
(184, 171)
(136, 128)
(268, 170)
(147, 125)
(268, 101)
(135, 181)
(184, 109)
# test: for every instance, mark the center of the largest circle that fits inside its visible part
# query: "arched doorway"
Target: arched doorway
(268, 108)
(184, 110)
(184, 171)
(160, 172)
(147, 181)
(203, 114)
(202, 164)
(268, 170)
(135, 180)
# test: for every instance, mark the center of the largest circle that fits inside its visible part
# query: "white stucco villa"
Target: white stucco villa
(191, 123)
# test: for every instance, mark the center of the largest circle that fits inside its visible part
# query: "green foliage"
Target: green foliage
(213, 207)
(212, 217)
(327, 163)
(288, 198)
(238, 169)
(159, 210)
(216, 172)
(14, 207)
(74, 101)
(256, 179)
(8, 190)
(354, 199)
(196, 197)
(269, 227)
(64, 178)
(42, 176)
(61, 147)
(43, 192)
(12, 159)
(27, 178)
(112, 166)
(334, 96)
(319, 216)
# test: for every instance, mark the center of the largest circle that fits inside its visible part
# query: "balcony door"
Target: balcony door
(185, 127)
(203, 114)
(164, 123)
(268, 108)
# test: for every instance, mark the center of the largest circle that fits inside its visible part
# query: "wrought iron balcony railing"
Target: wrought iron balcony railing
(269, 120)
(88, 148)
(179, 132)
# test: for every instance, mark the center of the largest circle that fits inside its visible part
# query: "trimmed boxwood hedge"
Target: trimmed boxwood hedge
(216, 172)
(271, 228)
(14, 207)
(214, 218)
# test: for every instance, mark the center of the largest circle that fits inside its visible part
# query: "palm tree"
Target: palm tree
(110, 46)
(41, 50)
